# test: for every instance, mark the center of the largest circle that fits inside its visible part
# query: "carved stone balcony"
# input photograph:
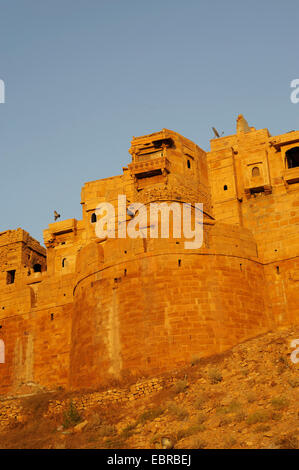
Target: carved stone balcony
(151, 167)
(291, 175)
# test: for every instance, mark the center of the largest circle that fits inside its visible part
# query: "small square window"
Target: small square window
(10, 276)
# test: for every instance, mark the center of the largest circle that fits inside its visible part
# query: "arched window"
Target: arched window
(93, 218)
(225, 187)
(2, 352)
(37, 268)
(292, 157)
(63, 263)
(255, 172)
(188, 164)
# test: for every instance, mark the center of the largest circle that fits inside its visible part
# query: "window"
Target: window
(63, 262)
(37, 268)
(255, 172)
(10, 276)
(93, 218)
(292, 157)
(225, 187)
(188, 164)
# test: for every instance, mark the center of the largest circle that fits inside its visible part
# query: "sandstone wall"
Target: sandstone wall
(155, 310)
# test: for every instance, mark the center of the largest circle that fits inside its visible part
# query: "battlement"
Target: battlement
(16, 236)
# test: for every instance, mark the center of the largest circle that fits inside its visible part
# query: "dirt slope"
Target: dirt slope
(245, 398)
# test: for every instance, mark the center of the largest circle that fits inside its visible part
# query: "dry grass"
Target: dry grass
(181, 386)
(288, 442)
(293, 381)
(258, 417)
(279, 403)
(201, 400)
(32, 435)
(205, 416)
(129, 430)
(251, 397)
(198, 443)
(229, 442)
(233, 407)
(215, 376)
(150, 415)
(179, 412)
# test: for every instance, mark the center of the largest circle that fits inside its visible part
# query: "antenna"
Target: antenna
(216, 132)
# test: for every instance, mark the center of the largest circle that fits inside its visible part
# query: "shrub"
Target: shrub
(200, 400)
(178, 412)
(128, 431)
(279, 403)
(251, 397)
(224, 421)
(215, 376)
(241, 416)
(198, 444)
(186, 432)
(258, 417)
(282, 364)
(115, 442)
(275, 416)
(262, 428)
(233, 407)
(197, 428)
(182, 433)
(283, 360)
(181, 386)
(106, 430)
(71, 416)
(288, 442)
(150, 415)
(201, 418)
(293, 382)
(229, 442)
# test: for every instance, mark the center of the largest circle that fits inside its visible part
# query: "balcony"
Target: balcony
(291, 175)
(148, 168)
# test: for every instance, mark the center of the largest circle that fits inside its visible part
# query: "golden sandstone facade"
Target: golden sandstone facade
(86, 310)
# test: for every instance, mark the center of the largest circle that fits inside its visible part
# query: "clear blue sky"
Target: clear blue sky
(83, 76)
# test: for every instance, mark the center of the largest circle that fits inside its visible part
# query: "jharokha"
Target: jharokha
(87, 310)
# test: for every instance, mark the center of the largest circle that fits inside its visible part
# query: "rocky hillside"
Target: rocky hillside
(245, 398)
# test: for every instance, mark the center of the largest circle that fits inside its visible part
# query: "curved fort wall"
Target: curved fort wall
(152, 311)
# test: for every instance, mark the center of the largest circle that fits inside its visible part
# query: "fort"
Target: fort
(87, 310)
